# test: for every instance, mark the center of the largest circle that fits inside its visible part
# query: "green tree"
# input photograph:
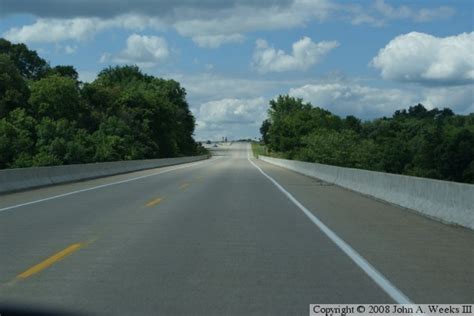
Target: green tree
(14, 92)
(17, 139)
(264, 129)
(64, 71)
(456, 155)
(415, 141)
(48, 117)
(30, 65)
(291, 119)
(353, 123)
(56, 97)
(61, 142)
(155, 109)
(341, 148)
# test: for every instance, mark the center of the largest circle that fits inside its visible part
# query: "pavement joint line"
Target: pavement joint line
(184, 186)
(154, 202)
(50, 261)
(103, 185)
(360, 261)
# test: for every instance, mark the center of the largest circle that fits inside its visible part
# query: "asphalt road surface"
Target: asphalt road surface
(221, 237)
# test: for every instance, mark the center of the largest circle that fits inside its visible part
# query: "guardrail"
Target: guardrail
(28, 178)
(449, 202)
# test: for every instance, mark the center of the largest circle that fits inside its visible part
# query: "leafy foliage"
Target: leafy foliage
(28, 63)
(13, 88)
(419, 142)
(48, 117)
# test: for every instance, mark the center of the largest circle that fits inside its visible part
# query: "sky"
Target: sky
(363, 58)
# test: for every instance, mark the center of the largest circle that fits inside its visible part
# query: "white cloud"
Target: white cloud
(305, 53)
(211, 9)
(348, 98)
(391, 12)
(54, 30)
(427, 15)
(70, 49)
(405, 12)
(230, 117)
(460, 99)
(228, 26)
(426, 59)
(66, 49)
(144, 51)
(381, 12)
(209, 23)
(77, 29)
(204, 87)
(214, 41)
(233, 111)
(355, 99)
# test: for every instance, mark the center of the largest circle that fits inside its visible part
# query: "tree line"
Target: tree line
(49, 117)
(433, 143)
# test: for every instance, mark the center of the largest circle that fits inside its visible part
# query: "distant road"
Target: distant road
(226, 236)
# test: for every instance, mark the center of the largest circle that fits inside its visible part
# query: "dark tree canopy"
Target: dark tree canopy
(64, 71)
(28, 63)
(13, 89)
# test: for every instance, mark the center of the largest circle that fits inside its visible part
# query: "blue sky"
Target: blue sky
(365, 58)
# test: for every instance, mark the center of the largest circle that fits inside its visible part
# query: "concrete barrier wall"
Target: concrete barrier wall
(449, 202)
(27, 178)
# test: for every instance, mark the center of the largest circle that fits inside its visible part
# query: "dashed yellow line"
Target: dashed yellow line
(50, 261)
(154, 202)
(184, 186)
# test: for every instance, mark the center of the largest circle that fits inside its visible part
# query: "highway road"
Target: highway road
(227, 236)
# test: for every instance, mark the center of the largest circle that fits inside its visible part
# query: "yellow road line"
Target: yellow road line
(184, 186)
(154, 202)
(50, 261)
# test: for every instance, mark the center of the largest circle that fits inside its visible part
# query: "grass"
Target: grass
(262, 150)
(259, 149)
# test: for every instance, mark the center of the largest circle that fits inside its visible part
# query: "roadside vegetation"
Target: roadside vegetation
(433, 143)
(260, 149)
(48, 117)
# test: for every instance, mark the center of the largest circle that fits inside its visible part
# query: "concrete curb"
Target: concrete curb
(28, 178)
(449, 202)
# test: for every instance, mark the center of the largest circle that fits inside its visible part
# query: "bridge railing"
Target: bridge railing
(28, 178)
(446, 201)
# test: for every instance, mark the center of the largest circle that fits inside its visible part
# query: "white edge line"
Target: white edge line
(369, 269)
(187, 165)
